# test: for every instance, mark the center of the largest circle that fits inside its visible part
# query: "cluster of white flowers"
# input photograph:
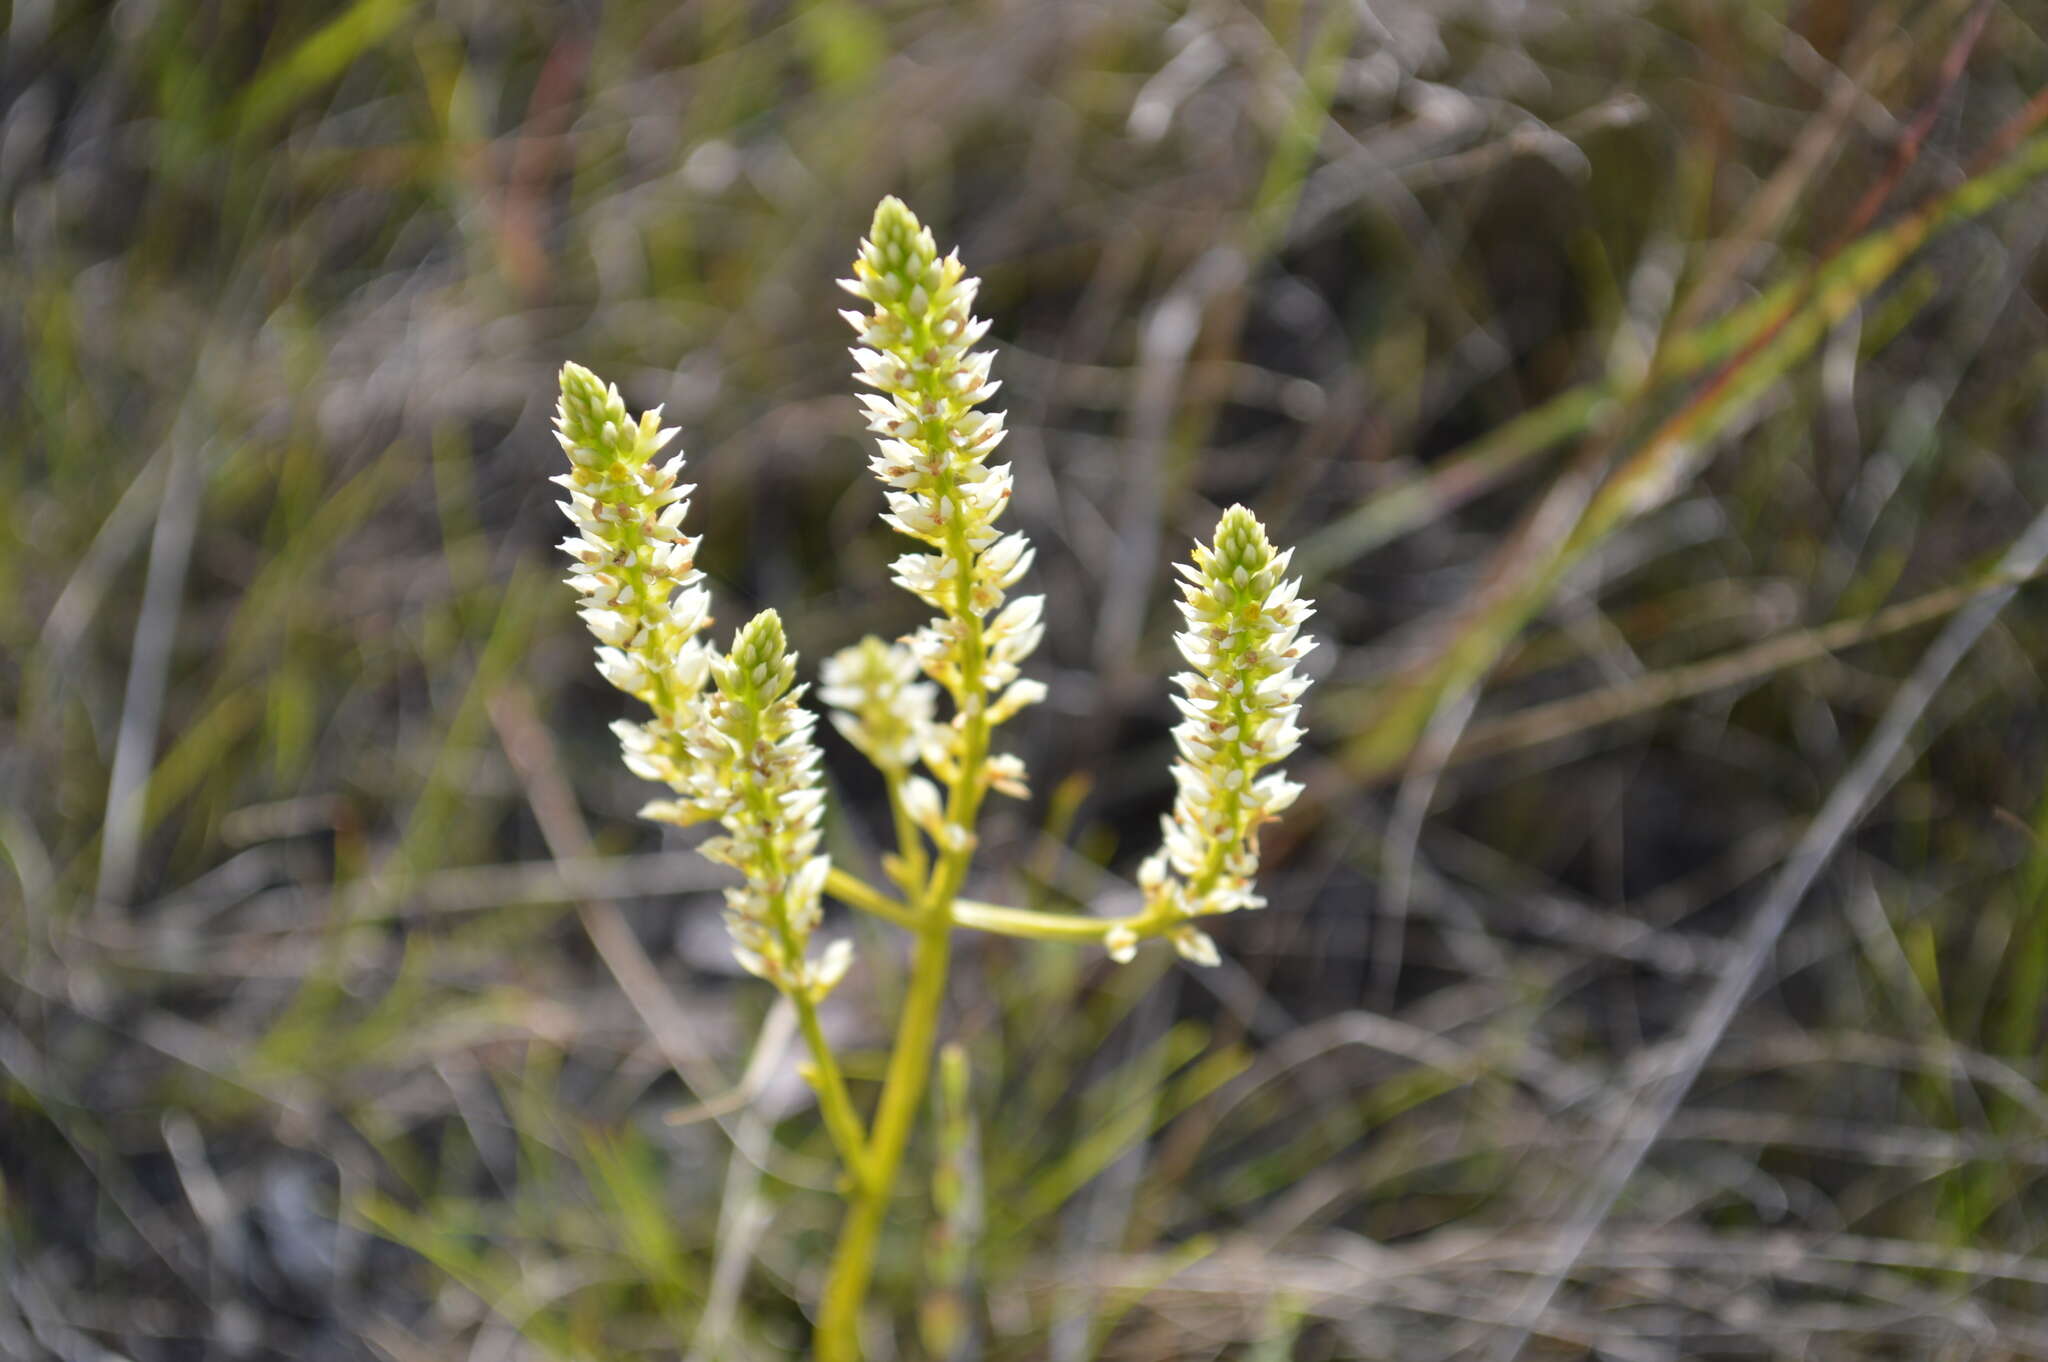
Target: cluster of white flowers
(916, 350)
(737, 749)
(1238, 712)
(878, 702)
(757, 773)
(729, 736)
(634, 566)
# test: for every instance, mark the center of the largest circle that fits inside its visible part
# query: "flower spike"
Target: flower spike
(756, 772)
(634, 567)
(878, 703)
(1239, 707)
(916, 351)
(726, 734)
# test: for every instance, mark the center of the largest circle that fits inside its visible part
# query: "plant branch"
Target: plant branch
(855, 892)
(846, 1287)
(823, 1072)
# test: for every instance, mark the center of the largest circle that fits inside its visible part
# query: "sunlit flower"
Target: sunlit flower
(878, 703)
(916, 350)
(1239, 707)
(726, 734)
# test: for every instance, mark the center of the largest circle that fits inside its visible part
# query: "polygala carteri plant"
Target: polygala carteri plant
(729, 735)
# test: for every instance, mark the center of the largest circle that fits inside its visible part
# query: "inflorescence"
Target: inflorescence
(916, 351)
(728, 733)
(1238, 709)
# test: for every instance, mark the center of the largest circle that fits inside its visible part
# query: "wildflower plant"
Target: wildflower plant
(729, 735)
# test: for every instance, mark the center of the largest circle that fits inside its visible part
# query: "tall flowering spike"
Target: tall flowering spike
(1239, 707)
(633, 566)
(916, 351)
(878, 703)
(754, 768)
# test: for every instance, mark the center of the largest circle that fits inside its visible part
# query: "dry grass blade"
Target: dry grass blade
(170, 549)
(1576, 714)
(554, 804)
(1649, 1111)
(1523, 581)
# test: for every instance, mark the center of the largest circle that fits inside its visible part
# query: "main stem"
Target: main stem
(917, 1032)
(910, 1063)
(853, 1262)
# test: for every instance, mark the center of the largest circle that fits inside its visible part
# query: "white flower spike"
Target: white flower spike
(878, 702)
(916, 350)
(634, 567)
(1239, 707)
(727, 734)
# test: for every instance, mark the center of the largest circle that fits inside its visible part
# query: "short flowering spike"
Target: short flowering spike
(878, 703)
(1238, 711)
(916, 351)
(759, 669)
(756, 771)
(633, 566)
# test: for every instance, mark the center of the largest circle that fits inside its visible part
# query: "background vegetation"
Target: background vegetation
(1656, 969)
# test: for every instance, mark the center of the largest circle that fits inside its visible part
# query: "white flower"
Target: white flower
(922, 801)
(1121, 943)
(1005, 774)
(1195, 945)
(821, 978)
(1016, 696)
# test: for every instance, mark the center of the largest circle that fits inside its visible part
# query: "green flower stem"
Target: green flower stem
(856, 892)
(998, 920)
(902, 1092)
(841, 1120)
(994, 918)
(909, 842)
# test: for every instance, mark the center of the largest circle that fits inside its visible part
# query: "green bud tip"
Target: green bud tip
(1241, 542)
(588, 405)
(761, 667)
(903, 246)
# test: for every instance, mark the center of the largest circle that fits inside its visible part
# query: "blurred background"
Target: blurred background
(1655, 389)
